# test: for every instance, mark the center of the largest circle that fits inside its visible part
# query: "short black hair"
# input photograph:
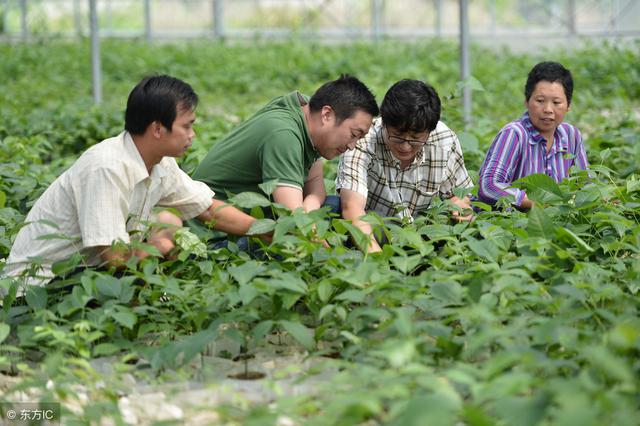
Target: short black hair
(411, 106)
(346, 95)
(157, 98)
(551, 72)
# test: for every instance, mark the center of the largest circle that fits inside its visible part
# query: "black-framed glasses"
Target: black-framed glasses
(399, 141)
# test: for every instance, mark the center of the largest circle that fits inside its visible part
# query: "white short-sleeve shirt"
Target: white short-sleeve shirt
(101, 198)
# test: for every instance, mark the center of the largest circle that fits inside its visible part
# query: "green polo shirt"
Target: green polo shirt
(272, 144)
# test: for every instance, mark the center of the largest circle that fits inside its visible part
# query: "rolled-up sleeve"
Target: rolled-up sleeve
(498, 170)
(581, 155)
(457, 175)
(352, 170)
(188, 196)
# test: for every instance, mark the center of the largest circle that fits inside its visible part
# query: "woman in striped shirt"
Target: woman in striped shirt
(537, 142)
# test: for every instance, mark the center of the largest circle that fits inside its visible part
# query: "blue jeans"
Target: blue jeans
(333, 201)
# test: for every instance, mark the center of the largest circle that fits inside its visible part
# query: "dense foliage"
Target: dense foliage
(517, 318)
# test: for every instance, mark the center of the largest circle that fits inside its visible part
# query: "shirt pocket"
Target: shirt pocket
(423, 197)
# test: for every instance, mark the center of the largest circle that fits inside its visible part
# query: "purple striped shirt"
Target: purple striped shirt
(519, 150)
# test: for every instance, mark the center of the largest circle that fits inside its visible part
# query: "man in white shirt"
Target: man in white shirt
(110, 191)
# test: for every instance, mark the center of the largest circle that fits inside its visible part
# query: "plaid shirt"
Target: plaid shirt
(371, 170)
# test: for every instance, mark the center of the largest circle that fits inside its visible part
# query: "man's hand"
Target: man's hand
(353, 205)
(314, 192)
(526, 204)
(462, 203)
(161, 237)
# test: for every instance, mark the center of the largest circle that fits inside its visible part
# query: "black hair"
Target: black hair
(157, 98)
(345, 96)
(411, 106)
(551, 72)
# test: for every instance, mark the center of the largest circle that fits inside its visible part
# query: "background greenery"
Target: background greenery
(514, 319)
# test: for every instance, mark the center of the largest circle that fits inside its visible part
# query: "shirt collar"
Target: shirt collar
(299, 100)
(560, 142)
(139, 169)
(536, 137)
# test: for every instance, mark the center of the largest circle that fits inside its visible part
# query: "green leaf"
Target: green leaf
(449, 292)
(261, 330)
(36, 297)
(567, 234)
(302, 334)
(525, 411)
(63, 267)
(262, 226)
(247, 293)
(539, 224)
(406, 264)
(356, 296)
(247, 200)
(612, 365)
(108, 286)
(3, 199)
(326, 309)
(182, 351)
(246, 272)
(435, 409)
(288, 282)
(403, 322)
(623, 336)
(587, 197)
(5, 329)
(540, 187)
(325, 288)
(190, 243)
(360, 239)
(105, 349)
(633, 185)
(485, 249)
(269, 186)
(125, 317)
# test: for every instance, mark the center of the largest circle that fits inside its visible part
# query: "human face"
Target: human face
(547, 107)
(333, 139)
(404, 146)
(179, 139)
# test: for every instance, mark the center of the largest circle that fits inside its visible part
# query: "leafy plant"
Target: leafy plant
(516, 318)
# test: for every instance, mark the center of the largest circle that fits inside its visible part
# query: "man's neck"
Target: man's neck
(306, 112)
(404, 164)
(144, 147)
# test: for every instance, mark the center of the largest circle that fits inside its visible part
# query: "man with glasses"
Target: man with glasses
(407, 158)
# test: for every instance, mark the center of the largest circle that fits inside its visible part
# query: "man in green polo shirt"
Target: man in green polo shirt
(286, 139)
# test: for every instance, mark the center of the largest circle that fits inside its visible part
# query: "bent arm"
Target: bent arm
(498, 170)
(353, 205)
(227, 218)
(581, 154)
(289, 196)
(314, 192)
(117, 255)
